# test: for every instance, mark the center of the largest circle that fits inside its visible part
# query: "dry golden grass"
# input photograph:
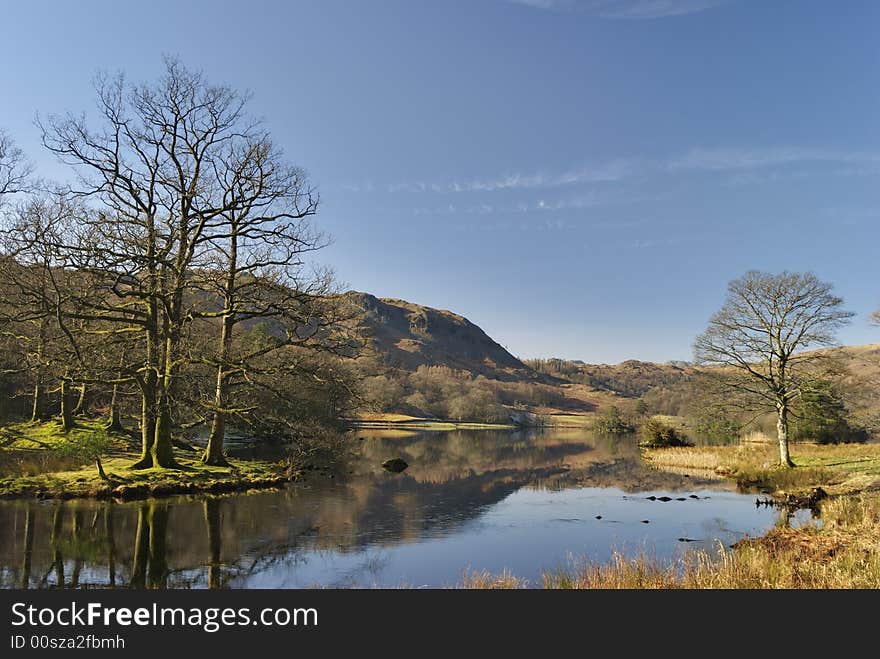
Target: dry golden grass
(485, 580)
(838, 468)
(756, 437)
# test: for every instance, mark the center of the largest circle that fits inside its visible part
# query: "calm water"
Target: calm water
(525, 501)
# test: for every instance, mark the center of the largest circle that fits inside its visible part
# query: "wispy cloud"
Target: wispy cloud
(733, 159)
(748, 165)
(613, 170)
(626, 9)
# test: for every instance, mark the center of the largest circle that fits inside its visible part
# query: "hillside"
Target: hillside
(630, 379)
(429, 363)
(405, 336)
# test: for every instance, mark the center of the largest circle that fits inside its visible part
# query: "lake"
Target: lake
(525, 501)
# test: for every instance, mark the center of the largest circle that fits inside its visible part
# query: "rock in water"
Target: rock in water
(395, 465)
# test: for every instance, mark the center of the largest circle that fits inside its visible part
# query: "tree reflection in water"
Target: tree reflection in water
(231, 541)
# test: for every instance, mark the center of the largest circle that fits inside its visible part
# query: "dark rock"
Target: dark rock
(395, 465)
(816, 495)
(810, 499)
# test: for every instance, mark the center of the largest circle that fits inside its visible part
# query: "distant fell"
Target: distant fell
(405, 335)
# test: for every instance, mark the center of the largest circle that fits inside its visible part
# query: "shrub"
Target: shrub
(612, 423)
(658, 434)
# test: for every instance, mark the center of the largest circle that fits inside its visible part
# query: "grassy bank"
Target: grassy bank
(837, 468)
(404, 421)
(36, 461)
(544, 420)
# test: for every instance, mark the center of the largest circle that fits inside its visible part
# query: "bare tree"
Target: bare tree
(156, 165)
(14, 168)
(33, 296)
(197, 218)
(760, 338)
(258, 271)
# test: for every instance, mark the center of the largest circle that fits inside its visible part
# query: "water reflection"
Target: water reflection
(470, 498)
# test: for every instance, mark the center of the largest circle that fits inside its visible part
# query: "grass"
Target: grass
(50, 436)
(844, 553)
(33, 463)
(403, 421)
(485, 580)
(568, 420)
(392, 420)
(837, 468)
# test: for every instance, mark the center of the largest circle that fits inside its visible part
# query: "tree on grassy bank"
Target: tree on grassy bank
(759, 341)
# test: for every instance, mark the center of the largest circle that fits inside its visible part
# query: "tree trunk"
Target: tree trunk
(158, 551)
(39, 408)
(77, 553)
(55, 541)
(141, 548)
(100, 467)
(28, 548)
(149, 386)
(212, 521)
(782, 434)
(148, 421)
(80, 401)
(66, 412)
(111, 543)
(214, 451)
(115, 423)
(162, 452)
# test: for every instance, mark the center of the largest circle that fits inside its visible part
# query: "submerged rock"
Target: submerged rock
(395, 465)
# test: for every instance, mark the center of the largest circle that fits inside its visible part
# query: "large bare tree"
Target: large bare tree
(186, 189)
(257, 271)
(761, 341)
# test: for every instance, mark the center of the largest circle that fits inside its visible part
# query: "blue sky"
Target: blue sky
(581, 178)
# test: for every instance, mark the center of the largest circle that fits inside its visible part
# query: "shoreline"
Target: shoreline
(34, 446)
